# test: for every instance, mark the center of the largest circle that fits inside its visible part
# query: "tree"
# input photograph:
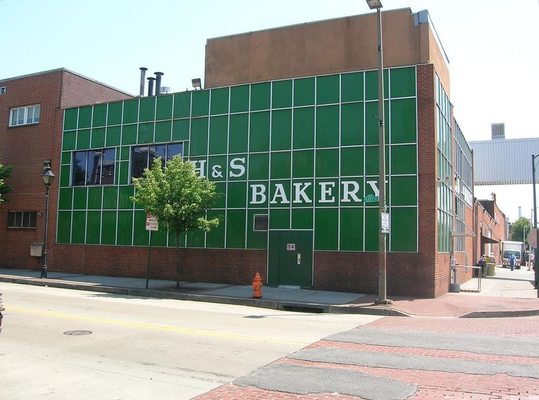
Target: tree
(520, 229)
(177, 197)
(5, 172)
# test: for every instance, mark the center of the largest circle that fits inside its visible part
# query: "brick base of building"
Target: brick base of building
(408, 274)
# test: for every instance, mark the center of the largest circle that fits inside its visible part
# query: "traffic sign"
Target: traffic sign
(385, 222)
(151, 222)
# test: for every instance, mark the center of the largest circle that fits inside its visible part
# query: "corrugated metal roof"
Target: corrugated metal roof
(505, 162)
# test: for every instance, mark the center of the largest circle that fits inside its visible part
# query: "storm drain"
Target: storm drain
(303, 308)
(77, 333)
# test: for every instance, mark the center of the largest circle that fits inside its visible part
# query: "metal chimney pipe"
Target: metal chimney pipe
(142, 79)
(158, 76)
(150, 85)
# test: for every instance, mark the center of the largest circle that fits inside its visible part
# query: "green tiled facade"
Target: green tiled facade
(302, 151)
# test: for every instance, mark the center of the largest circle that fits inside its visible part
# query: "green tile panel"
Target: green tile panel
(302, 151)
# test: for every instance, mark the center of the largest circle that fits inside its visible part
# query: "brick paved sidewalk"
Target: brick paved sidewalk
(517, 375)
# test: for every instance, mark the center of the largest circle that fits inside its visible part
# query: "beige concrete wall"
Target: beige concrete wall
(323, 47)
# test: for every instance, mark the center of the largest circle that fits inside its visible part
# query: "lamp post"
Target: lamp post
(48, 177)
(536, 258)
(384, 216)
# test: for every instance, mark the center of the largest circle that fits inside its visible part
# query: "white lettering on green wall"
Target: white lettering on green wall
(237, 167)
(349, 190)
(200, 167)
(258, 194)
(326, 193)
(372, 184)
(279, 194)
(299, 192)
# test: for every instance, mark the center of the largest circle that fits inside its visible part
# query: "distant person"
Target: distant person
(482, 263)
(512, 261)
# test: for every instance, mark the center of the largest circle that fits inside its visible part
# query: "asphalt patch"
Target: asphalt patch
(309, 380)
(483, 344)
(406, 361)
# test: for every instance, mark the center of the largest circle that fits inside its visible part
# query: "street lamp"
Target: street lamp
(48, 177)
(536, 258)
(384, 216)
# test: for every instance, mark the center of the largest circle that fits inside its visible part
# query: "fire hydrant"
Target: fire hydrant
(257, 286)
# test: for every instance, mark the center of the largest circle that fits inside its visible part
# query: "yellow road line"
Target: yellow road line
(140, 325)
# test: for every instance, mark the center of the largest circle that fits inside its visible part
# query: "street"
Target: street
(68, 344)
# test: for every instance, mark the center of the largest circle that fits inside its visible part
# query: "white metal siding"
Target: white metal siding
(505, 162)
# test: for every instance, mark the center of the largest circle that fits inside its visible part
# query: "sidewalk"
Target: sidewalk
(509, 293)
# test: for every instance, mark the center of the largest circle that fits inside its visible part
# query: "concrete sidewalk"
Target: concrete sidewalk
(509, 293)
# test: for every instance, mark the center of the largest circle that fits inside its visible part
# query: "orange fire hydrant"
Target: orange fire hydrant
(257, 286)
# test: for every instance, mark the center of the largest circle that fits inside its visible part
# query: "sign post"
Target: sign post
(151, 225)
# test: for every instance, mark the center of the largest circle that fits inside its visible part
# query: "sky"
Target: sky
(491, 46)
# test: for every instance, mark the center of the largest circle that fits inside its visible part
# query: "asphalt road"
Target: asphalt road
(67, 344)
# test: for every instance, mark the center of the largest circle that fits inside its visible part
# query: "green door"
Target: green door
(290, 258)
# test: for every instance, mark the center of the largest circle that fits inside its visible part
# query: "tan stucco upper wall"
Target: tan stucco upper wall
(323, 47)
(437, 58)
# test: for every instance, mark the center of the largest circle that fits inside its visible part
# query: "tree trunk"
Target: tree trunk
(177, 260)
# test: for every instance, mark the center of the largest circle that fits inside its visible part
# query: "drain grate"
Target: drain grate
(77, 333)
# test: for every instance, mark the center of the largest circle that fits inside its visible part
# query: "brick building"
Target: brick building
(491, 229)
(31, 120)
(286, 128)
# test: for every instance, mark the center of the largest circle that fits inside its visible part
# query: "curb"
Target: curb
(165, 294)
(386, 311)
(500, 314)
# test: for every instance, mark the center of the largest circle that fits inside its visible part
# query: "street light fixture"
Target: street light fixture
(48, 177)
(384, 216)
(197, 83)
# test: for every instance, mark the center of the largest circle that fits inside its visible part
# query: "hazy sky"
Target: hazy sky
(492, 46)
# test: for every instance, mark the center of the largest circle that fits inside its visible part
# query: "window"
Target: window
(93, 167)
(260, 222)
(3, 90)
(142, 156)
(24, 115)
(21, 219)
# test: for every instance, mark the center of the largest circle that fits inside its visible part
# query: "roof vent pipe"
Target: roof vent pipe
(150, 85)
(142, 79)
(158, 76)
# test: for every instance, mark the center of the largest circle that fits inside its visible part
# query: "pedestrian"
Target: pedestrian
(482, 263)
(512, 261)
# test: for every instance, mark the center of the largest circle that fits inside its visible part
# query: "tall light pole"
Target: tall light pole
(536, 258)
(384, 216)
(48, 177)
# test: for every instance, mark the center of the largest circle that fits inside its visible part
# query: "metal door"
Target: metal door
(290, 258)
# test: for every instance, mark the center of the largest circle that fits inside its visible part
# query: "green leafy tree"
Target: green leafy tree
(5, 172)
(178, 197)
(520, 229)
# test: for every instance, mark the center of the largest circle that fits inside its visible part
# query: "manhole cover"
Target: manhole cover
(77, 333)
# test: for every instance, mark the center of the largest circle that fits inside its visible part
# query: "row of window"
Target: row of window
(21, 219)
(27, 219)
(96, 167)
(24, 115)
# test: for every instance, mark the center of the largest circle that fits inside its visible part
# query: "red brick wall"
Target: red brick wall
(25, 147)
(408, 274)
(202, 265)
(78, 91)
(497, 225)
(422, 274)
(433, 277)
